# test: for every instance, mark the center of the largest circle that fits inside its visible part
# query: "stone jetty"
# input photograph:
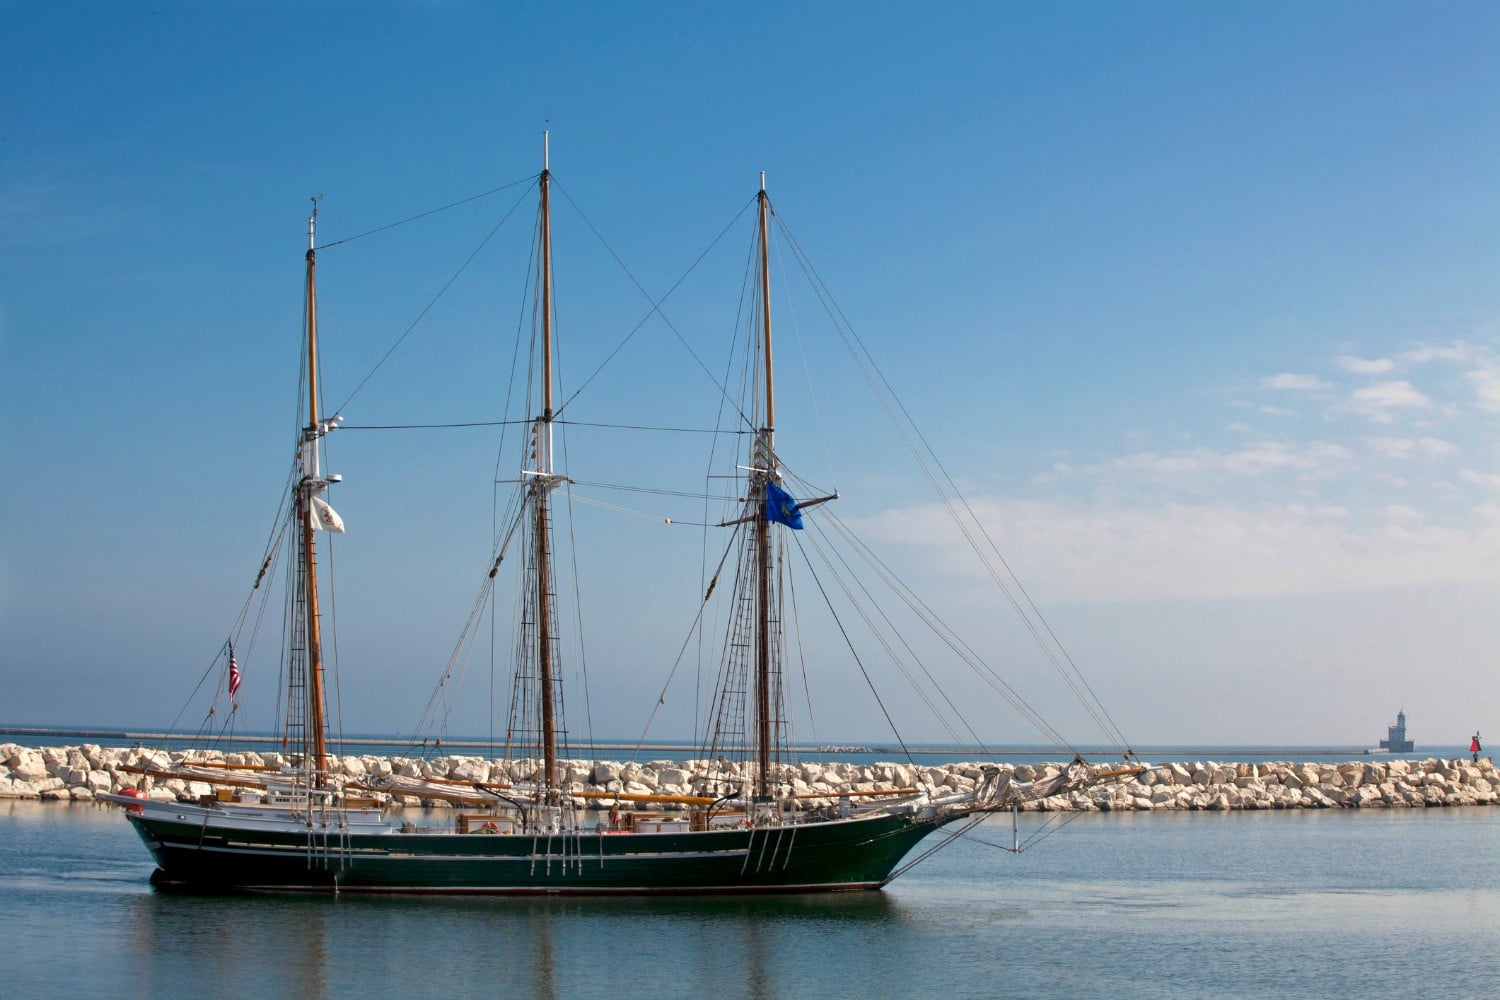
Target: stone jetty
(81, 773)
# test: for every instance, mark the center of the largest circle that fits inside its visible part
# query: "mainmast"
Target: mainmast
(542, 485)
(765, 465)
(312, 484)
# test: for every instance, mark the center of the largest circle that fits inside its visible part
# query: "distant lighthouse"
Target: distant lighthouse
(1396, 741)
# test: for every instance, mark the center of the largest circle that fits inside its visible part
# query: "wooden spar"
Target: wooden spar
(858, 794)
(425, 793)
(467, 784)
(766, 462)
(542, 489)
(765, 301)
(687, 800)
(152, 772)
(546, 179)
(801, 505)
(315, 720)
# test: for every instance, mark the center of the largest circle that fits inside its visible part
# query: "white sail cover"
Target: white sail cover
(325, 518)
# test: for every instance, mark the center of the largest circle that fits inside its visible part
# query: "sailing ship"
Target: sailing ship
(300, 826)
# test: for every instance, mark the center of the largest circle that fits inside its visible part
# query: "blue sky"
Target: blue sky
(1199, 303)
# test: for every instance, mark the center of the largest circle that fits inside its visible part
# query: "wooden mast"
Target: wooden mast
(316, 744)
(765, 463)
(542, 487)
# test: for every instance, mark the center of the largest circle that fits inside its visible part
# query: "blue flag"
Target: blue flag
(781, 508)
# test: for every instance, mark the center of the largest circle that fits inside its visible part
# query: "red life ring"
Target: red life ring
(134, 793)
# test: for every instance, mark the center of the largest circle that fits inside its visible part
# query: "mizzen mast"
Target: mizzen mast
(312, 483)
(764, 464)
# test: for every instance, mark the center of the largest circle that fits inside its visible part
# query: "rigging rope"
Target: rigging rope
(897, 660)
(236, 631)
(428, 308)
(522, 421)
(946, 633)
(807, 373)
(693, 629)
(1054, 825)
(965, 825)
(462, 201)
(434, 715)
(812, 722)
(956, 505)
(654, 491)
(860, 663)
(1054, 649)
(431, 427)
(656, 304)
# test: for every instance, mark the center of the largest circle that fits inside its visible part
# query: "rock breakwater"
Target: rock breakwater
(81, 773)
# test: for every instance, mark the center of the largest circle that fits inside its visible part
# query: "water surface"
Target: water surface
(1378, 903)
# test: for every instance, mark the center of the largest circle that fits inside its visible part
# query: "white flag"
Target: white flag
(324, 518)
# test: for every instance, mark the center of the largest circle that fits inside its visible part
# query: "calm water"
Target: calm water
(1283, 904)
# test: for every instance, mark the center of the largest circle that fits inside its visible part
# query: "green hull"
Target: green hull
(841, 855)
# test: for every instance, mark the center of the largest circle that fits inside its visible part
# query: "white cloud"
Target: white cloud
(1489, 480)
(1487, 387)
(1365, 366)
(1100, 553)
(1301, 510)
(1405, 448)
(1400, 513)
(1458, 352)
(1294, 381)
(1268, 456)
(1379, 402)
(1255, 459)
(1279, 515)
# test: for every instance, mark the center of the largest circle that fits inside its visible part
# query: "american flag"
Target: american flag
(234, 675)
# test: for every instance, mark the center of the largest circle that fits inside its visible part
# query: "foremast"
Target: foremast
(543, 480)
(311, 484)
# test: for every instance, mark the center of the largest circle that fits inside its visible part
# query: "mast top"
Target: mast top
(546, 135)
(312, 223)
(762, 182)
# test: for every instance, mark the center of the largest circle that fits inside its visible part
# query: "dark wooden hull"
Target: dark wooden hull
(842, 855)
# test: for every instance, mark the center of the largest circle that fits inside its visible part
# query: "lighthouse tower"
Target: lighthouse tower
(1396, 741)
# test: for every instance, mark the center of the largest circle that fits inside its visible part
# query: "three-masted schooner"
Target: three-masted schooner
(305, 829)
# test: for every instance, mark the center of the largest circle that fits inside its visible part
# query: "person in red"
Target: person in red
(1474, 746)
